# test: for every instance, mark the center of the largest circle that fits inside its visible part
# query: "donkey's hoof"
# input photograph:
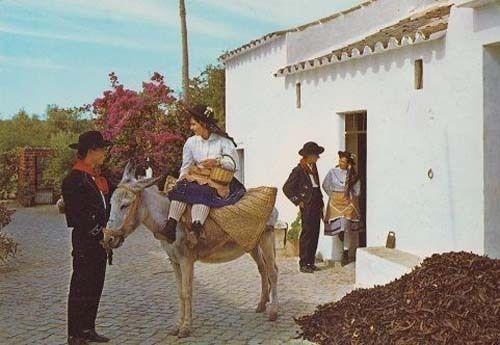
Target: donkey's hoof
(261, 308)
(174, 331)
(273, 316)
(184, 332)
(273, 312)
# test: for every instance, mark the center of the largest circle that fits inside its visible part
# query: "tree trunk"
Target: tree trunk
(185, 56)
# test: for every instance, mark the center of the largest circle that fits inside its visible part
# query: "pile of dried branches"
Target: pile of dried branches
(452, 298)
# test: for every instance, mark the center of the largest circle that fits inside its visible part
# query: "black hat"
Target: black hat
(202, 113)
(90, 140)
(311, 148)
(348, 155)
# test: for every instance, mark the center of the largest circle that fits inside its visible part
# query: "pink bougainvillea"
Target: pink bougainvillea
(143, 125)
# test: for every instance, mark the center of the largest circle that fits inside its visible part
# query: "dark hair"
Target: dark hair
(82, 152)
(197, 113)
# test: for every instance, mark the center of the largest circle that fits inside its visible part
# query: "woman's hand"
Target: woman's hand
(210, 163)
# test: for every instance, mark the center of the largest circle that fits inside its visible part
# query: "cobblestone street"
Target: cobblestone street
(139, 302)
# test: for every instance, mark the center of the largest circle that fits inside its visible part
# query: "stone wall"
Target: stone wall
(27, 181)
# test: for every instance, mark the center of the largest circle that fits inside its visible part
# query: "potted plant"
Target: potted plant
(293, 236)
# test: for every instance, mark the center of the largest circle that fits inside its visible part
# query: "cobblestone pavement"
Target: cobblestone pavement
(139, 302)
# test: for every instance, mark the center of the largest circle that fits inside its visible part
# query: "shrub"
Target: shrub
(8, 247)
(295, 229)
(8, 167)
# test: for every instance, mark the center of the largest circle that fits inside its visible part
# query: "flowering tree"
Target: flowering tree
(142, 124)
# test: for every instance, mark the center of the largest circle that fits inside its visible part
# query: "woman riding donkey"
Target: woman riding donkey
(208, 149)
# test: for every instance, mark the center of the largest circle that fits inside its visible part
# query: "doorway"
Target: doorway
(356, 143)
(491, 106)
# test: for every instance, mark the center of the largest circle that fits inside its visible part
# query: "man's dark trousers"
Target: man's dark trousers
(311, 217)
(87, 281)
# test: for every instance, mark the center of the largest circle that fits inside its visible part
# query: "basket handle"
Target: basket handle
(234, 163)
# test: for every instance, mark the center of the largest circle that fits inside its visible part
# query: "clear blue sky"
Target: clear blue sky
(61, 51)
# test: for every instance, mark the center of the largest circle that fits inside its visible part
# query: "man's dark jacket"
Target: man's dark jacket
(84, 207)
(298, 187)
(87, 213)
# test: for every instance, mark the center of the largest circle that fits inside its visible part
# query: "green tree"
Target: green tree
(22, 130)
(209, 88)
(60, 128)
(68, 120)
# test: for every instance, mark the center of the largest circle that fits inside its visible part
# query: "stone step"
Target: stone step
(381, 265)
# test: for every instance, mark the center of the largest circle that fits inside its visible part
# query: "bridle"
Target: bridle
(129, 220)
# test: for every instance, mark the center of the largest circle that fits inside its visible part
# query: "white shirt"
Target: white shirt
(311, 176)
(196, 149)
(102, 195)
(335, 181)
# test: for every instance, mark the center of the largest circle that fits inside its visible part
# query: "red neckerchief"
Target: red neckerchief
(100, 181)
(307, 169)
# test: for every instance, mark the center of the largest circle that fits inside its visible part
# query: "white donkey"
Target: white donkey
(140, 202)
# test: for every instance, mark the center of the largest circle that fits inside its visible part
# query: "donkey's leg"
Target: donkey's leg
(269, 253)
(256, 254)
(178, 279)
(187, 268)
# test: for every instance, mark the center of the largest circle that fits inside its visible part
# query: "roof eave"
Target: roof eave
(475, 3)
(249, 46)
(380, 48)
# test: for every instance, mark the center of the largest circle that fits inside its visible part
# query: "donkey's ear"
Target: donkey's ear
(129, 172)
(143, 184)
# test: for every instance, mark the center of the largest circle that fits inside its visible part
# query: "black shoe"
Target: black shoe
(306, 269)
(341, 236)
(345, 259)
(168, 230)
(77, 341)
(314, 267)
(197, 228)
(92, 336)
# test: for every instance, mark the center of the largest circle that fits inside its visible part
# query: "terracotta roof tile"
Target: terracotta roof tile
(274, 35)
(416, 28)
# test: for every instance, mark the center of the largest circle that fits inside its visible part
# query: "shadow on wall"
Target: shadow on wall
(390, 60)
(486, 18)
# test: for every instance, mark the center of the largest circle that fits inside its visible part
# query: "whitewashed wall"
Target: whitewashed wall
(321, 39)
(409, 132)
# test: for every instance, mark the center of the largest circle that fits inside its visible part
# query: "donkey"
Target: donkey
(136, 202)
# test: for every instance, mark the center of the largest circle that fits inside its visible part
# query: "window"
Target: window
(419, 74)
(298, 95)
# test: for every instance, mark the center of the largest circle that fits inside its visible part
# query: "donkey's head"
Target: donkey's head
(126, 204)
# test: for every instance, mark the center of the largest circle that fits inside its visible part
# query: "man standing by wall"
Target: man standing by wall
(303, 189)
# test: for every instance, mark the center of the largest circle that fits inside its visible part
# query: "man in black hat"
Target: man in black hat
(86, 196)
(303, 189)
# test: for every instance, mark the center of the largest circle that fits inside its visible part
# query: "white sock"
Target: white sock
(199, 213)
(177, 208)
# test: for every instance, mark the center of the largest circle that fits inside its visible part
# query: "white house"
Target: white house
(412, 86)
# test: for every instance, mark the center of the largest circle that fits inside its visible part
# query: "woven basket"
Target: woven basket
(222, 175)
